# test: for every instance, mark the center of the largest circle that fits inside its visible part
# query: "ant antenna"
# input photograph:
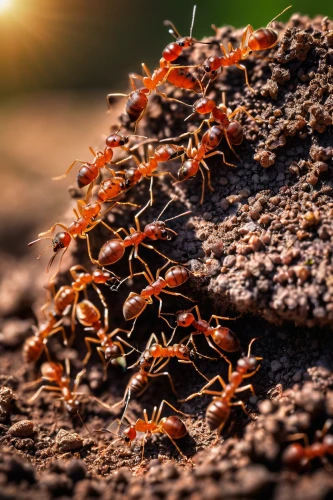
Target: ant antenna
(84, 424)
(166, 206)
(287, 8)
(173, 31)
(193, 17)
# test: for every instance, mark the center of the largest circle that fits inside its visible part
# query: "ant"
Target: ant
(218, 411)
(196, 156)
(252, 41)
(162, 353)
(88, 172)
(85, 222)
(137, 100)
(135, 303)
(89, 316)
(35, 345)
(232, 129)
(54, 372)
(297, 456)
(171, 426)
(223, 337)
(114, 249)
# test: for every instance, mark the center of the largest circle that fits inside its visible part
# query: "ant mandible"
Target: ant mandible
(114, 249)
(252, 41)
(218, 411)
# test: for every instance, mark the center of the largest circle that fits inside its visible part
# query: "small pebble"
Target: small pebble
(23, 428)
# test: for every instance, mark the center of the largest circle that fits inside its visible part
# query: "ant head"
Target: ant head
(185, 319)
(61, 240)
(73, 406)
(112, 352)
(116, 140)
(129, 434)
(247, 364)
(185, 41)
(185, 171)
(157, 231)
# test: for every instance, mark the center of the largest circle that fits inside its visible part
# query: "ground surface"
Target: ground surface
(261, 246)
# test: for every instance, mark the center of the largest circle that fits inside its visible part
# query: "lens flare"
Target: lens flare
(5, 5)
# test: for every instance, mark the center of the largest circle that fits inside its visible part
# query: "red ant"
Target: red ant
(232, 129)
(252, 41)
(86, 221)
(54, 372)
(162, 353)
(218, 411)
(196, 156)
(89, 316)
(223, 337)
(35, 345)
(297, 456)
(171, 426)
(88, 172)
(135, 303)
(137, 100)
(114, 249)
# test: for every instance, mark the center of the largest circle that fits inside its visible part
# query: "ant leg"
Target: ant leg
(63, 333)
(60, 261)
(101, 355)
(136, 217)
(159, 253)
(163, 365)
(219, 430)
(177, 447)
(248, 375)
(100, 295)
(53, 228)
(243, 68)
(146, 70)
(242, 405)
(136, 256)
(204, 390)
(94, 261)
(229, 144)
(178, 294)
(214, 316)
(160, 315)
(297, 436)
(67, 171)
(208, 175)
(78, 380)
(195, 367)
(167, 374)
(73, 317)
(160, 174)
(162, 94)
(88, 341)
(245, 388)
(224, 160)
(50, 388)
(241, 109)
(207, 120)
(217, 350)
(114, 95)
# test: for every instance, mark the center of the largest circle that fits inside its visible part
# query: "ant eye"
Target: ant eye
(127, 439)
(121, 143)
(181, 44)
(207, 69)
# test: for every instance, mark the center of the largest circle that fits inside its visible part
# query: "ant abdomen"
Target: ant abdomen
(138, 383)
(174, 427)
(32, 349)
(235, 133)
(217, 413)
(86, 174)
(111, 252)
(293, 455)
(262, 39)
(64, 298)
(224, 338)
(136, 104)
(133, 306)
(87, 313)
(176, 276)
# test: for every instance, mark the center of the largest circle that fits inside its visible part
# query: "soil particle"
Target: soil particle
(68, 441)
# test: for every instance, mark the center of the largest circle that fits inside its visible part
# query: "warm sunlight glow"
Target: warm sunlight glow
(5, 5)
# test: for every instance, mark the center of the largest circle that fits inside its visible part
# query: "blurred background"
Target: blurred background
(58, 60)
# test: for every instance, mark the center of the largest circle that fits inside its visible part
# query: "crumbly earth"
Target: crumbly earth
(260, 248)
